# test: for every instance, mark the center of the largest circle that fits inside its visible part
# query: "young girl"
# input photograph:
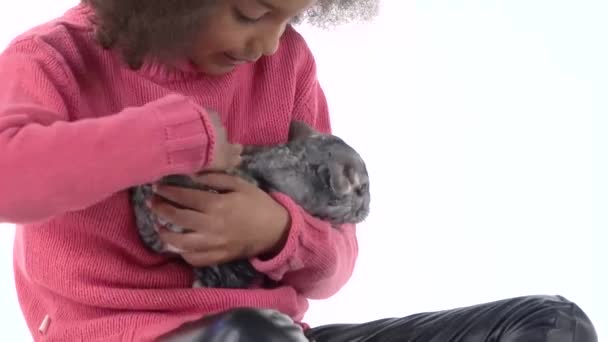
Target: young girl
(117, 93)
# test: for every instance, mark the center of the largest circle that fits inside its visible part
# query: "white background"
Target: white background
(484, 127)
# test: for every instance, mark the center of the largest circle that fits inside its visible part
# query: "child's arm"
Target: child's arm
(50, 165)
(317, 259)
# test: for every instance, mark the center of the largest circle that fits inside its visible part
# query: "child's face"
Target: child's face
(241, 31)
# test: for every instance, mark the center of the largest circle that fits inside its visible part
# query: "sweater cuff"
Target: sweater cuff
(188, 133)
(285, 260)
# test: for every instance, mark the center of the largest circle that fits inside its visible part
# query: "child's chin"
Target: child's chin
(216, 69)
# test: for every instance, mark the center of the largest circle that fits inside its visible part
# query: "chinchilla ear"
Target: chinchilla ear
(336, 179)
(341, 184)
(299, 130)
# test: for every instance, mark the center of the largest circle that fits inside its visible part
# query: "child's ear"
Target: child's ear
(299, 130)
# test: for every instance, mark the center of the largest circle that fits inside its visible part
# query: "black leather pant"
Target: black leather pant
(521, 319)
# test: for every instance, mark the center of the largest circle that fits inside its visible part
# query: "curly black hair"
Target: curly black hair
(165, 28)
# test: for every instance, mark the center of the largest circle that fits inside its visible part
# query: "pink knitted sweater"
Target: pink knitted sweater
(78, 128)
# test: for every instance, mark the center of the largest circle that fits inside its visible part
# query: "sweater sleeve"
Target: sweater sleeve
(317, 259)
(51, 164)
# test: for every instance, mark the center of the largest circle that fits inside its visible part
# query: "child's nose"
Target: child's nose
(269, 39)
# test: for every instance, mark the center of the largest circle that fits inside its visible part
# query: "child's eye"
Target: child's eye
(243, 18)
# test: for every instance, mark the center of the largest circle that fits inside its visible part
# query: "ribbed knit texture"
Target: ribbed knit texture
(78, 128)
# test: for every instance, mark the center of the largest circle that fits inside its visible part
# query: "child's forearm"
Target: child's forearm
(317, 259)
(48, 168)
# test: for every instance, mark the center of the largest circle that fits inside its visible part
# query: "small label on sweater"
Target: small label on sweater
(44, 326)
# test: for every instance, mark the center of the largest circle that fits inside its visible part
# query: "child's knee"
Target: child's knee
(239, 325)
(556, 319)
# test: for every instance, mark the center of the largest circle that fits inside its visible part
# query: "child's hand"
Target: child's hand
(240, 222)
(227, 155)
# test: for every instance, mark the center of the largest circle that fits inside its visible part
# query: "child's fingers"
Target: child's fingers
(193, 242)
(235, 155)
(189, 198)
(222, 182)
(229, 156)
(236, 150)
(207, 258)
(185, 218)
